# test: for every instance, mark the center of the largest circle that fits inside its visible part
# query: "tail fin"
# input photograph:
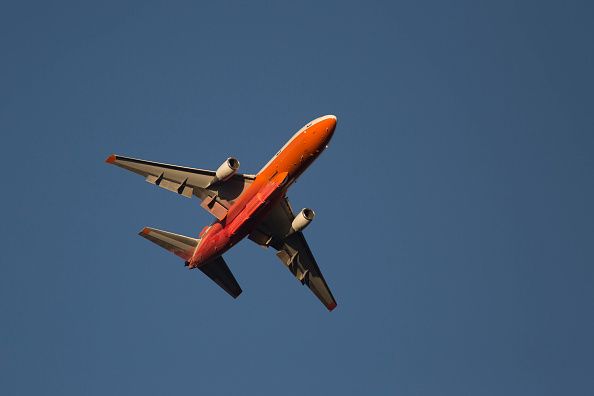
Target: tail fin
(179, 245)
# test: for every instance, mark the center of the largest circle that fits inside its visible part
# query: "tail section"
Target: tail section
(181, 246)
(184, 247)
(218, 271)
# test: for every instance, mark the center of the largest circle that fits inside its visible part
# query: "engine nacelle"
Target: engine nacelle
(302, 219)
(227, 169)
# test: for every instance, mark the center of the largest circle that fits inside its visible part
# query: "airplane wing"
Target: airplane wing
(293, 250)
(216, 198)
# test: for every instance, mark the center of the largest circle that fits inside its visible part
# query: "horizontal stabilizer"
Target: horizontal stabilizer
(219, 272)
(179, 245)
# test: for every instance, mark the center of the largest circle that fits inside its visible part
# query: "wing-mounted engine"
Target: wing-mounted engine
(225, 171)
(302, 220)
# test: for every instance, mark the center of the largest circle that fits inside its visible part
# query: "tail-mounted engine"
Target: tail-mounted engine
(302, 219)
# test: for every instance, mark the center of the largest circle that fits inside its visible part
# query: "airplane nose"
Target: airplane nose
(330, 125)
(332, 119)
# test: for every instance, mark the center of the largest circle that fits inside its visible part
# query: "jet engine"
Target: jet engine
(226, 170)
(302, 219)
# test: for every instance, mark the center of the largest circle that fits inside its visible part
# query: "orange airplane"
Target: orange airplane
(255, 206)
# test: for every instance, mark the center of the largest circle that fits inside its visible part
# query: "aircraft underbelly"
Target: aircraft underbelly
(255, 210)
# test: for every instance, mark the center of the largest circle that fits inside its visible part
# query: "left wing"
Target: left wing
(293, 250)
(216, 198)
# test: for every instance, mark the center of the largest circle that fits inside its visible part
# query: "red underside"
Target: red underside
(226, 233)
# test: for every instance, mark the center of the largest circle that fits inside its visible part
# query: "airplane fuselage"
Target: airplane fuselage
(269, 186)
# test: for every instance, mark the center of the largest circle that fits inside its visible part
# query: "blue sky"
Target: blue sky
(454, 206)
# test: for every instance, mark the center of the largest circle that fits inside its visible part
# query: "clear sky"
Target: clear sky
(454, 205)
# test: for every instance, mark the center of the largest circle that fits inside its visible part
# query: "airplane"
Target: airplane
(249, 205)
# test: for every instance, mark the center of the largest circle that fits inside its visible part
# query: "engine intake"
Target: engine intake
(303, 219)
(226, 170)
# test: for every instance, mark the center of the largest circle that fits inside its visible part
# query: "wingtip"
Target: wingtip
(237, 293)
(331, 306)
(111, 159)
(144, 231)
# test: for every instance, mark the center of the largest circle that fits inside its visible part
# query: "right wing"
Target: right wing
(216, 198)
(293, 251)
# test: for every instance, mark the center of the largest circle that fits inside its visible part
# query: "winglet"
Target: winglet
(331, 306)
(111, 159)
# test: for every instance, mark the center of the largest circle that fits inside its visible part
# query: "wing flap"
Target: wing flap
(214, 207)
